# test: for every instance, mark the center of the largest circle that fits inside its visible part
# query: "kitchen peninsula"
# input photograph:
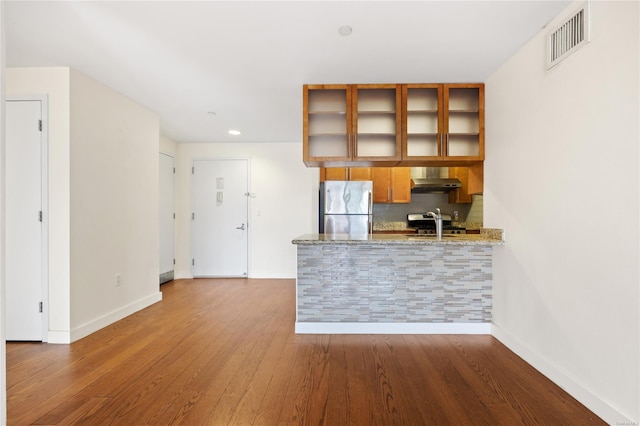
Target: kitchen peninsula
(395, 283)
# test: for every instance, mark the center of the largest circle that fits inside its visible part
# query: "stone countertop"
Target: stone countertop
(486, 237)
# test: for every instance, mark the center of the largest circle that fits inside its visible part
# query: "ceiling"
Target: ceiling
(206, 67)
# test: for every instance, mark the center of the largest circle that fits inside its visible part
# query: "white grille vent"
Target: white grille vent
(569, 36)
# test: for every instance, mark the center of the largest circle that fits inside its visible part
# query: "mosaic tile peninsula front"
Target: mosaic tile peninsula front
(394, 283)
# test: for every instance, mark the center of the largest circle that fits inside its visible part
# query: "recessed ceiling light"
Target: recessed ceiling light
(345, 30)
(234, 132)
(211, 113)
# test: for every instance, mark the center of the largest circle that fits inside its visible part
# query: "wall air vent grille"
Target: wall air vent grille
(569, 36)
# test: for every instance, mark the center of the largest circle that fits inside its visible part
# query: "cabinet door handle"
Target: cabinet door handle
(446, 145)
(355, 145)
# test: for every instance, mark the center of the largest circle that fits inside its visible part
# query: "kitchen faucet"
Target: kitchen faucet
(437, 217)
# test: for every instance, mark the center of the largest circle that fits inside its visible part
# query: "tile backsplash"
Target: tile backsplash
(475, 212)
(422, 203)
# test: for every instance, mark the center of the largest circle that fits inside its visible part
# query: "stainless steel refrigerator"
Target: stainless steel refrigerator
(346, 207)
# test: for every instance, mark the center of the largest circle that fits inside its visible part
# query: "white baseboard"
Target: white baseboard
(603, 410)
(265, 276)
(59, 337)
(273, 276)
(105, 320)
(391, 328)
(182, 275)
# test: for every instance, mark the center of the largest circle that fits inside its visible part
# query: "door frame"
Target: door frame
(248, 206)
(169, 275)
(44, 193)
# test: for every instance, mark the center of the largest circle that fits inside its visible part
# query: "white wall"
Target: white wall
(562, 150)
(168, 146)
(54, 82)
(103, 200)
(284, 191)
(114, 206)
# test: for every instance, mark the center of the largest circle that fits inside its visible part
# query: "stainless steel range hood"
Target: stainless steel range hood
(435, 185)
(433, 180)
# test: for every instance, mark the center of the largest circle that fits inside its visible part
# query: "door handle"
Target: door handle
(241, 227)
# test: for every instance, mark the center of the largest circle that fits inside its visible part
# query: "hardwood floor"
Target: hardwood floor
(223, 352)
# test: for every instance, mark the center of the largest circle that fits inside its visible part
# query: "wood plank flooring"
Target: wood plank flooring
(223, 352)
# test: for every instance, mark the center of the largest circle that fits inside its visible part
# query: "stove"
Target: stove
(425, 224)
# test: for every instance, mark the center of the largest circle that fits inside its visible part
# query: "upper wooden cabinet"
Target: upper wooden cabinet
(390, 184)
(346, 124)
(393, 125)
(345, 173)
(360, 173)
(472, 179)
(443, 123)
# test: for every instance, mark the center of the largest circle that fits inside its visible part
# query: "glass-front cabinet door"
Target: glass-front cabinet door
(385, 124)
(422, 132)
(345, 124)
(377, 122)
(443, 122)
(327, 123)
(464, 121)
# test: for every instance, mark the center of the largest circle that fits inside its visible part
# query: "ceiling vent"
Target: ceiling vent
(568, 36)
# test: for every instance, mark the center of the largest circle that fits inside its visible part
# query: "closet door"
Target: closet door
(25, 275)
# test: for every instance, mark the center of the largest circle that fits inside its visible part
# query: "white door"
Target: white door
(220, 198)
(24, 214)
(167, 218)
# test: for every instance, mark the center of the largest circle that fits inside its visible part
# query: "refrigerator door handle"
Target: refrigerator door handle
(326, 206)
(370, 212)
